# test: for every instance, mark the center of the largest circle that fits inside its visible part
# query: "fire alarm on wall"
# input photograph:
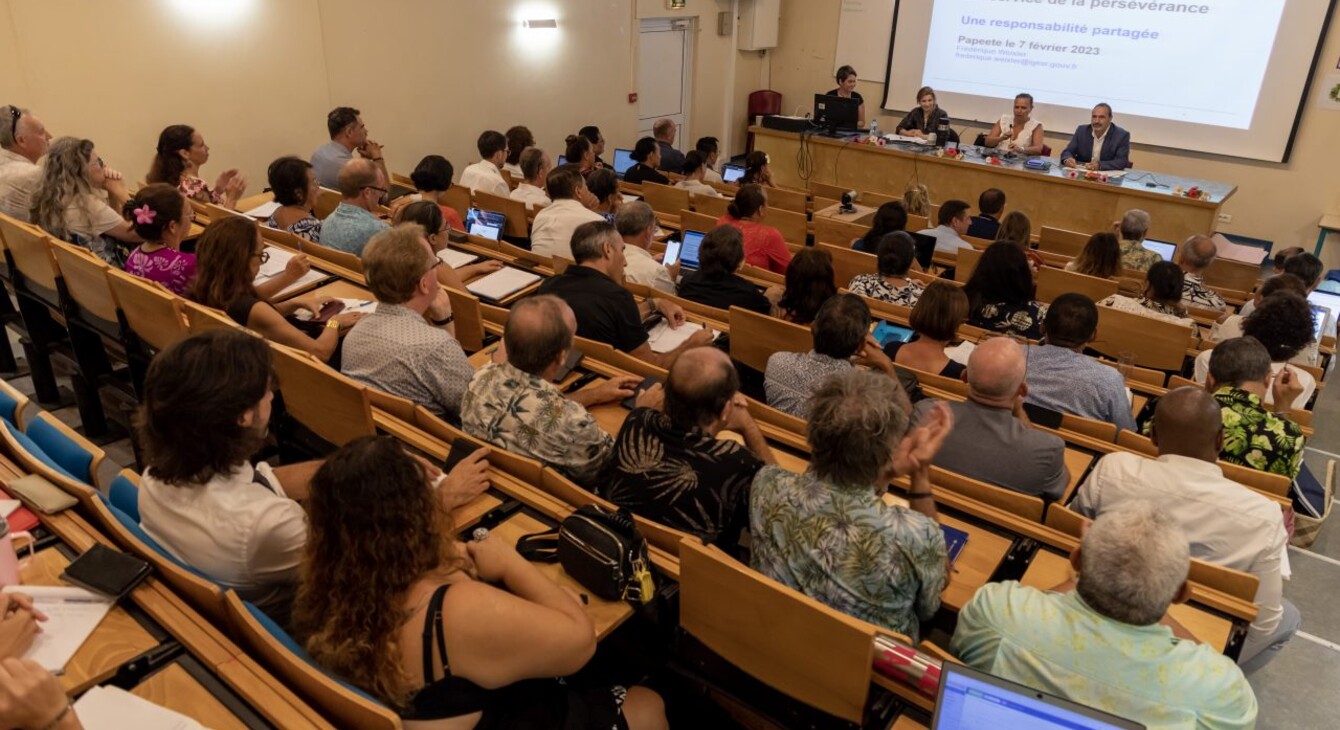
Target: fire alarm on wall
(632, 97)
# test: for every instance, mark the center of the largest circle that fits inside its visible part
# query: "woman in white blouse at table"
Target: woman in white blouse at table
(1017, 132)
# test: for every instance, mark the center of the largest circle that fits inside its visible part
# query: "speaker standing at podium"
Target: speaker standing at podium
(927, 119)
(846, 79)
(1112, 142)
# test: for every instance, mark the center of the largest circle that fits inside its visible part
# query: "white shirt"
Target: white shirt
(1309, 383)
(947, 239)
(698, 188)
(1098, 143)
(1025, 137)
(1134, 306)
(642, 268)
(1227, 523)
(484, 176)
(551, 233)
(232, 529)
(1231, 328)
(18, 182)
(515, 170)
(711, 176)
(531, 195)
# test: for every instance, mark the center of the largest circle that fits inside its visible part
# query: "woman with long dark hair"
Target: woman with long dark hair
(180, 153)
(1000, 293)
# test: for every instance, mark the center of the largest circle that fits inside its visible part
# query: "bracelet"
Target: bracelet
(927, 495)
(444, 322)
(332, 324)
(376, 159)
(52, 725)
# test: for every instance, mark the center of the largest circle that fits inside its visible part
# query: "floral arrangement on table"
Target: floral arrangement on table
(1193, 192)
(872, 140)
(953, 154)
(1076, 173)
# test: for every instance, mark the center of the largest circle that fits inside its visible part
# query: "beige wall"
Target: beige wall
(1277, 202)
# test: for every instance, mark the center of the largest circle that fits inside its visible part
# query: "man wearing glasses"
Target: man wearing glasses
(23, 140)
(354, 221)
(347, 135)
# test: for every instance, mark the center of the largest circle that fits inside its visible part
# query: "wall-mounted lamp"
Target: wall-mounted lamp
(536, 23)
(676, 4)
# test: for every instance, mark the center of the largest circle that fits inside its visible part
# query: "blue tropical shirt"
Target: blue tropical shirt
(843, 546)
(349, 227)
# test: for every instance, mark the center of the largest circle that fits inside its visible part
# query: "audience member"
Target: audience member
(809, 283)
(935, 319)
(764, 246)
(485, 176)
(515, 405)
(1161, 299)
(672, 160)
(953, 222)
(162, 217)
(578, 151)
(432, 180)
(180, 154)
(23, 141)
(710, 149)
(890, 217)
(1283, 324)
(293, 182)
(695, 175)
(647, 156)
(31, 696)
(1231, 325)
(828, 534)
(535, 166)
(1198, 252)
(992, 440)
(841, 332)
(604, 185)
(990, 206)
(607, 312)
(896, 254)
(405, 347)
(1133, 227)
(500, 630)
(1281, 256)
(1226, 523)
(1000, 292)
(597, 140)
(518, 139)
(347, 135)
(1240, 377)
(1098, 640)
(428, 215)
(757, 170)
(917, 199)
(551, 232)
(1063, 379)
(636, 223)
(67, 206)
(670, 466)
(1100, 257)
(1017, 229)
(716, 283)
(355, 219)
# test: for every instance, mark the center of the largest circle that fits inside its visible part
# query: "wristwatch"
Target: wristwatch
(444, 322)
(333, 324)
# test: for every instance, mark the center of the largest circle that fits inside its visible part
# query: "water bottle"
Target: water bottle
(874, 127)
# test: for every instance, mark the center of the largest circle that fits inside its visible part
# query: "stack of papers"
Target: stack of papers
(456, 259)
(263, 211)
(664, 338)
(112, 708)
(1237, 251)
(502, 283)
(279, 258)
(72, 615)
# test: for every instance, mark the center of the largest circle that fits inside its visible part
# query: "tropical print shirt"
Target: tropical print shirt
(528, 415)
(1257, 438)
(1024, 320)
(875, 287)
(1135, 256)
(843, 546)
(688, 480)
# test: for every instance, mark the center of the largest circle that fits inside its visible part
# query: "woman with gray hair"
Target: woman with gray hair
(68, 206)
(828, 534)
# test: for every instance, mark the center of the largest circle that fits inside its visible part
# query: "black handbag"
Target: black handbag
(598, 548)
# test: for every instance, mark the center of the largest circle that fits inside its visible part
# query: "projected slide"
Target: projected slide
(1201, 62)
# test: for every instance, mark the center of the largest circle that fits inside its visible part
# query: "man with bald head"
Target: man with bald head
(23, 141)
(514, 404)
(992, 440)
(670, 466)
(1227, 523)
(1198, 252)
(354, 221)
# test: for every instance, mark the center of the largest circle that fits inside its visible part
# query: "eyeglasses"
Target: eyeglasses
(263, 255)
(14, 116)
(383, 191)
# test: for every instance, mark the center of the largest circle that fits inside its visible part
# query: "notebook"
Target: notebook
(263, 211)
(72, 616)
(456, 259)
(502, 283)
(664, 338)
(112, 708)
(955, 541)
(970, 700)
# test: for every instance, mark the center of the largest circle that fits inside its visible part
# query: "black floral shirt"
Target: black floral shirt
(1255, 437)
(1024, 320)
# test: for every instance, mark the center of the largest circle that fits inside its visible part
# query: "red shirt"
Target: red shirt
(453, 218)
(764, 246)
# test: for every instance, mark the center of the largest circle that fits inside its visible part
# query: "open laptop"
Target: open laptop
(732, 173)
(925, 249)
(623, 159)
(1331, 302)
(688, 252)
(971, 700)
(484, 223)
(1162, 248)
(1320, 316)
(562, 160)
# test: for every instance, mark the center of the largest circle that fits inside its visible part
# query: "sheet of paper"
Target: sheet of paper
(73, 614)
(279, 258)
(112, 708)
(627, 198)
(359, 305)
(263, 211)
(311, 277)
(1237, 251)
(7, 506)
(664, 338)
(502, 283)
(456, 259)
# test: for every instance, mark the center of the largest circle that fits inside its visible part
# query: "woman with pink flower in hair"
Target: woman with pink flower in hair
(162, 217)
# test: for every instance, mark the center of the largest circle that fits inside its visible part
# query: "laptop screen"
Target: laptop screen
(562, 160)
(688, 254)
(970, 700)
(623, 159)
(1319, 315)
(925, 249)
(732, 173)
(1331, 302)
(484, 223)
(1162, 248)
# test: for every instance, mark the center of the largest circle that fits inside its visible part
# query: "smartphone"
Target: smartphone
(672, 252)
(573, 360)
(460, 448)
(631, 401)
(328, 310)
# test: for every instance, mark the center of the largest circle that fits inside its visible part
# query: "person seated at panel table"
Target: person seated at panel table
(573, 204)
(809, 283)
(636, 222)
(990, 206)
(1017, 132)
(897, 253)
(646, 156)
(669, 465)
(670, 159)
(24, 139)
(513, 403)
(1198, 252)
(1000, 293)
(1063, 379)
(1133, 228)
(993, 440)
(1283, 325)
(717, 282)
(1104, 640)
(953, 221)
(358, 216)
(764, 246)
(828, 534)
(432, 179)
(1100, 257)
(1227, 523)
(757, 170)
(1112, 142)
(939, 312)
(604, 185)
(180, 154)
(926, 118)
(889, 217)
(841, 333)
(428, 215)
(605, 311)
(518, 138)
(228, 258)
(1161, 298)
(578, 151)
(486, 174)
(1231, 326)
(695, 172)
(846, 88)
(293, 183)
(535, 166)
(447, 634)
(162, 217)
(348, 134)
(69, 202)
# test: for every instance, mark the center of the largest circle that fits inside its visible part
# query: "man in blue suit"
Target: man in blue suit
(1113, 143)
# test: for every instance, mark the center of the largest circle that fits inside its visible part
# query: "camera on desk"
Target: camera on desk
(848, 200)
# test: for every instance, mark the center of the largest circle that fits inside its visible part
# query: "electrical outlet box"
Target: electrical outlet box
(1224, 218)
